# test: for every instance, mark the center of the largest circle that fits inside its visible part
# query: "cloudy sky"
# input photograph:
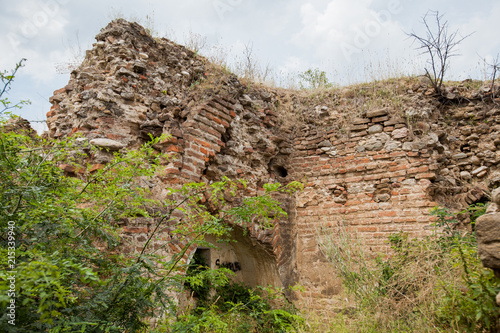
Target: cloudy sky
(351, 40)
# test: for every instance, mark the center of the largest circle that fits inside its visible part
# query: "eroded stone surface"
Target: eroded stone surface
(488, 236)
(107, 143)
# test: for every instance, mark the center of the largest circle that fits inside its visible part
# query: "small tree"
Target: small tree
(313, 79)
(439, 44)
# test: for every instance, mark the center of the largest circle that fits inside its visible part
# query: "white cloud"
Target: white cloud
(483, 43)
(355, 40)
(343, 29)
(292, 64)
(34, 30)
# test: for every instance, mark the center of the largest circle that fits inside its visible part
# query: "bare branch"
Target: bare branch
(439, 44)
(495, 67)
(249, 62)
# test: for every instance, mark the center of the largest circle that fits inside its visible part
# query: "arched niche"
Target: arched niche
(252, 262)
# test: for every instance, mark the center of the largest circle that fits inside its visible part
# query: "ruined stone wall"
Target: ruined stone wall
(373, 166)
(385, 169)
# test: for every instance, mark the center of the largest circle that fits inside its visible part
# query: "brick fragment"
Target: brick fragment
(96, 167)
(60, 91)
(135, 230)
(67, 168)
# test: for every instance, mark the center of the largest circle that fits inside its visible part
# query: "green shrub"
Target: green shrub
(469, 304)
(235, 307)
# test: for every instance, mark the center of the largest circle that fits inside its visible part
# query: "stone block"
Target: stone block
(488, 239)
(377, 113)
(107, 144)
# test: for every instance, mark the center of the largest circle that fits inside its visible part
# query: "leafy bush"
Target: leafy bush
(469, 304)
(69, 274)
(235, 307)
(196, 281)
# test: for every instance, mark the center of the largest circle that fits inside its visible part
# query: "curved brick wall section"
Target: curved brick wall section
(198, 139)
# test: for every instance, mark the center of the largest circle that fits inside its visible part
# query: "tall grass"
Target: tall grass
(427, 285)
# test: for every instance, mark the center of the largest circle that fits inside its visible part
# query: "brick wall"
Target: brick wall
(370, 193)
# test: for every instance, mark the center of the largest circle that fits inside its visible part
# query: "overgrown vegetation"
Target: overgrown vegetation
(236, 307)
(65, 261)
(233, 306)
(432, 284)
